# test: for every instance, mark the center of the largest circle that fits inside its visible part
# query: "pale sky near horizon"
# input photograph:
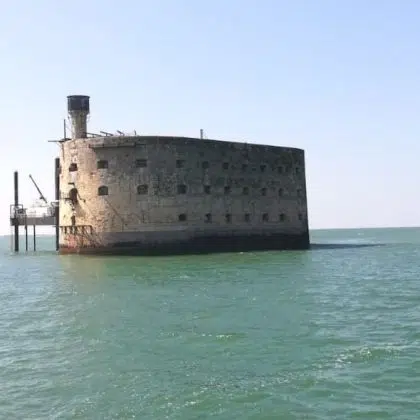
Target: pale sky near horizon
(339, 79)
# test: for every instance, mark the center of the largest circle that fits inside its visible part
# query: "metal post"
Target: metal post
(57, 208)
(34, 239)
(26, 236)
(16, 219)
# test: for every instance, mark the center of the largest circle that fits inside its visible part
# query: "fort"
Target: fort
(136, 194)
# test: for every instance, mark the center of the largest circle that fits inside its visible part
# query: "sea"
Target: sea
(329, 333)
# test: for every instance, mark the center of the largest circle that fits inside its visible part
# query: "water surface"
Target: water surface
(330, 333)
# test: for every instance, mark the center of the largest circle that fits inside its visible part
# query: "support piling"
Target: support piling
(57, 198)
(15, 215)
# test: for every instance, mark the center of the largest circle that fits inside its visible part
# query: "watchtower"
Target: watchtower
(78, 108)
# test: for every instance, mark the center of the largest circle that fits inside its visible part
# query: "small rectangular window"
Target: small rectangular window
(182, 189)
(245, 191)
(282, 217)
(263, 191)
(141, 163)
(180, 163)
(300, 216)
(244, 167)
(102, 164)
(207, 189)
(142, 189)
(227, 189)
(182, 217)
(228, 218)
(263, 168)
(225, 165)
(205, 165)
(73, 167)
(265, 217)
(299, 193)
(281, 192)
(208, 218)
(247, 217)
(280, 169)
(103, 190)
(297, 170)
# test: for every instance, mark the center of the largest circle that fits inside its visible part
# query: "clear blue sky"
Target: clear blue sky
(340, 79)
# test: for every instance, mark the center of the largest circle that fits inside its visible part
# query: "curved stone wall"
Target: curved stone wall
(147, 193)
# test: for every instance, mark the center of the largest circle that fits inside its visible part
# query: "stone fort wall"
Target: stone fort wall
(154, 189)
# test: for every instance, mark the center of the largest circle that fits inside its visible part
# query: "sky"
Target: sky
(340, 79)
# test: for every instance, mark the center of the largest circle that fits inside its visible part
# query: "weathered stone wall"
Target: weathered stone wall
(180, 187)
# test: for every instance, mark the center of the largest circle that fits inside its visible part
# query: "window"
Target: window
(141, 163)
(207, 189)
(280, 169)
(102, 164)
(247, 217)
(225, 165)
(263, 168)
(103, 190)
(265, 217)
(205, 165)
(297, 170)
(182, 189)
(182, 217)
(282, 217)
(227, 189)
(245, 191)
(300, 216)
(263, 191)
(228, 218)
(244, 167)
(73, 195)
(208, 218)
(180, 163)
(281, 192)
(73, 167)
(142, 189)
(299, 193)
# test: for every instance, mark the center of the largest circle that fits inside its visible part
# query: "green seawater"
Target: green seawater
(330, 333)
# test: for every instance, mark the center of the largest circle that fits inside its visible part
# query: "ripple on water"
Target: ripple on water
(331, 333)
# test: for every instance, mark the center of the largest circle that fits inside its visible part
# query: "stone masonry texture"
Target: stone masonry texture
(144, 191)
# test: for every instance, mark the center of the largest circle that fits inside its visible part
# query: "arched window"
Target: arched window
(73, 195)
(103, 190)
